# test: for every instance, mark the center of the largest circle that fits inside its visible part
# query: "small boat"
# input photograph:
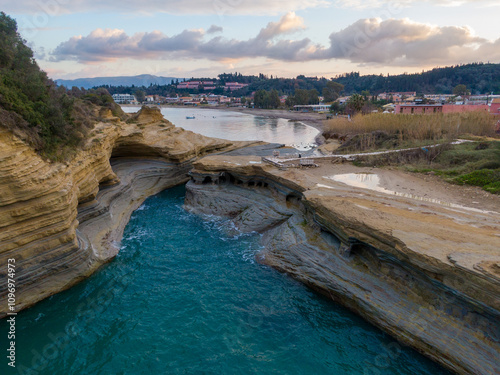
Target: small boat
(189, 117)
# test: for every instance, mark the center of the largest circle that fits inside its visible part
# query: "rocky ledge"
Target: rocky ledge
(61, 221)
(426, 272)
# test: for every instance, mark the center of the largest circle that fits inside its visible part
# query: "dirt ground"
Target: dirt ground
(426, 186)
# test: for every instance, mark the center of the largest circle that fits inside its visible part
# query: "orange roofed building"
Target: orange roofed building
(495, 107)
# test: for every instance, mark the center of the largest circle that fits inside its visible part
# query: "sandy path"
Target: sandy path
(425, 186)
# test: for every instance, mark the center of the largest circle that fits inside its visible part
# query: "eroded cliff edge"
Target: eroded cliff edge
(427, 273)
(61, 221)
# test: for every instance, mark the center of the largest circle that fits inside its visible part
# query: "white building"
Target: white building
(123, 98)
(312, 107)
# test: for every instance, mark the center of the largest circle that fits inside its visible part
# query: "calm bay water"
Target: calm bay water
(236, 126)
(184, 298)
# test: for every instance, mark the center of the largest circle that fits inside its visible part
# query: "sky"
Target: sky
(284, 38)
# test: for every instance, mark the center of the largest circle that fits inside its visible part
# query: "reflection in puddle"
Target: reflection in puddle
(371, 181)
(363, 180)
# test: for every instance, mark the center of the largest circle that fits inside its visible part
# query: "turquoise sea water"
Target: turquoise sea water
(184, 298)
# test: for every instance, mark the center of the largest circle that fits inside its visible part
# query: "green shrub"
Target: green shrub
(482, 177)
(51, 119)
(494, 187)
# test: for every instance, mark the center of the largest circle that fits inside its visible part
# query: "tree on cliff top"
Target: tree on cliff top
(31, 105)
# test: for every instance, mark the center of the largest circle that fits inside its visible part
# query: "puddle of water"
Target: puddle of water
(371, 181)
(324, 186)
(362, 180)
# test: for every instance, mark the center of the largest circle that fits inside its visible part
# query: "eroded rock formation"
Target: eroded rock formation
(61, 221)
(426, 273)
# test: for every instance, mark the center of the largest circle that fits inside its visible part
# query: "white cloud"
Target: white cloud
(110, 44)
(289, 23)
(396, 41)
(393, 42)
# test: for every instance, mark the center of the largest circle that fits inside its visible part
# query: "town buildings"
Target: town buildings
(209, 85)
(446, 108)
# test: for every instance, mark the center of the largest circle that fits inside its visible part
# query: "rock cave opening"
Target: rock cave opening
(292, 200)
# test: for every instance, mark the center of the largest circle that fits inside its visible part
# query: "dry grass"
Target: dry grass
(473, 163)
(409, 128)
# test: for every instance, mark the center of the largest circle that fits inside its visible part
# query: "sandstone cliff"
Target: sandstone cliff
(427, 273)
(61, 221)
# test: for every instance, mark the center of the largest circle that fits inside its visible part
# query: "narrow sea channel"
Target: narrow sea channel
(183, 297)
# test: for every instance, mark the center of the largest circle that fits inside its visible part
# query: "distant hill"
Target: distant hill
(480, 78)
(140, 80)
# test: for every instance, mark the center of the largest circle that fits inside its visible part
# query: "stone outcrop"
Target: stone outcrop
(425, 272)
(61, 221)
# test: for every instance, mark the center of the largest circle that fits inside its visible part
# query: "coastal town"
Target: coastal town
(386, 102)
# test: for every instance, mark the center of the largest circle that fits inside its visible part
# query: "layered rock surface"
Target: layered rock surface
(60, 221)
(427, 273)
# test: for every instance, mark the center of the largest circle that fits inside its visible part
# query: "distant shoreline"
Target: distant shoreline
(308, 118)
(314, 120)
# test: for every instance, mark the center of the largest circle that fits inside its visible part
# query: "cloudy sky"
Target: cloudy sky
(203, 38)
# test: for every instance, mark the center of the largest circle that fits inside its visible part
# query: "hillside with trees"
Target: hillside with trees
(51, 119)
(479, 78)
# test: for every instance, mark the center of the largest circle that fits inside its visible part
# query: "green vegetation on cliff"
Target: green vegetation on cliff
(48, 117)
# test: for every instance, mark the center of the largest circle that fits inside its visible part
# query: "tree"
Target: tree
(355, 103)
(460, 90)
(332, 91)
(41, 111)
(261, 99)
(301, 97)
(274, 99)
(336, 107)
(140, 96)
(313, 96)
